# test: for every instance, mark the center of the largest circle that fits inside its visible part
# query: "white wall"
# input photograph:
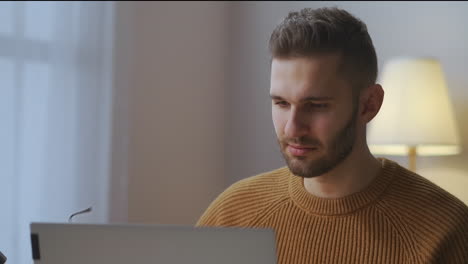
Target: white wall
(192, 111)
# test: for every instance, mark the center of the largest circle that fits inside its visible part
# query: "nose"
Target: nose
(296, 125)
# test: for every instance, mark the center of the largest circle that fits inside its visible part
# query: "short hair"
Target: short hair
(312, 32)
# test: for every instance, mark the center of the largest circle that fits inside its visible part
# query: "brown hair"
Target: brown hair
(328, 30)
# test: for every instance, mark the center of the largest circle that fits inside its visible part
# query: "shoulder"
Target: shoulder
(241, 202)
(261, 184)
(417, 195)
(426, 214)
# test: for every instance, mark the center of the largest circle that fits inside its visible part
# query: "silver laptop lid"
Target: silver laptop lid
(59, 243)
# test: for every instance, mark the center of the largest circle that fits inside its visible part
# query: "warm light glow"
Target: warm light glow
(423, 150)
(416, 111)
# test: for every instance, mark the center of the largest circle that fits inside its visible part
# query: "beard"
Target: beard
(335, 151)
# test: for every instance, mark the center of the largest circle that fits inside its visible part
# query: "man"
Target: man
(335, 202)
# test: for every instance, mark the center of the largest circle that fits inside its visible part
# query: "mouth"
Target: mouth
(298, 150)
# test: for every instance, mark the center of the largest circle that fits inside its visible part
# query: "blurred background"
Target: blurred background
(146, 111)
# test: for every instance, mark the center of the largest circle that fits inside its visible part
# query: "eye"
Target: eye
(317, 105)
(281, 103)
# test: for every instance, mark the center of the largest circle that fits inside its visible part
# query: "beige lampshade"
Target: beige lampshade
(416, 111)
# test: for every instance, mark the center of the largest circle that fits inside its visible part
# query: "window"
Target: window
(55, 101)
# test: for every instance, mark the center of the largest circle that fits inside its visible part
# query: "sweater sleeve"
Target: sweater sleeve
(243, 202)
(455, 246)
(430, 219)
(230, 208)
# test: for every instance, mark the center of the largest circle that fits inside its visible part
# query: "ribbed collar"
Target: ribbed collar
(344, 205)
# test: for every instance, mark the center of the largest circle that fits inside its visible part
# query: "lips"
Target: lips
(297, 150)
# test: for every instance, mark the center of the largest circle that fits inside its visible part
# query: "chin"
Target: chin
(304, 167)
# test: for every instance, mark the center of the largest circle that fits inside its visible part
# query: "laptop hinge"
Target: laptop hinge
(35, 247)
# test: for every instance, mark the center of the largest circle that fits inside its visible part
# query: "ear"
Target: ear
(371, 101)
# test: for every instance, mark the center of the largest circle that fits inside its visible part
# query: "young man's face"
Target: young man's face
(313, 113)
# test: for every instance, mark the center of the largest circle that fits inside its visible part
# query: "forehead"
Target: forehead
(297, 78)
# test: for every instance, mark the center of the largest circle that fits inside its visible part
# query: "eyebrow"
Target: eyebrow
(310, 98)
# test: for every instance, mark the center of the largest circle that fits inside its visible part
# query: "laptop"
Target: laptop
(59, 243)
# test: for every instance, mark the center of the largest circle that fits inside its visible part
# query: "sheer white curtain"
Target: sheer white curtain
(55, 116)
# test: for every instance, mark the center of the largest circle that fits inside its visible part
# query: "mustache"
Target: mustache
(303, 141)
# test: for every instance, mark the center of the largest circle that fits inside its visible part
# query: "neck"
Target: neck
(347, 177)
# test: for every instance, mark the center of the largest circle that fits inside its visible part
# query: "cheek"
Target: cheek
(279, 121)
(323, 127)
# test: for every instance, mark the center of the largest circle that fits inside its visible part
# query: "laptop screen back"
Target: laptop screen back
(55, 243)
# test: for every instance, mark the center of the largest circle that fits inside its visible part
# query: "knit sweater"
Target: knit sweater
(400, 217)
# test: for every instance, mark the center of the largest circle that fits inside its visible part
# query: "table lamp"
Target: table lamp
(416, 117)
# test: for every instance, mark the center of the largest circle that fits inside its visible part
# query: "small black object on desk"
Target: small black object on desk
(2, 258)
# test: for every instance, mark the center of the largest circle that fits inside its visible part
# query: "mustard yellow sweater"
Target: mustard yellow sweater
(400, 218)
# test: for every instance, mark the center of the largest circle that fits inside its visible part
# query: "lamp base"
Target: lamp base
(412, 158)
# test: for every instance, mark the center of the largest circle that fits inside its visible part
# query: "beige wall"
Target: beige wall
(175, 96)
(192, 113)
